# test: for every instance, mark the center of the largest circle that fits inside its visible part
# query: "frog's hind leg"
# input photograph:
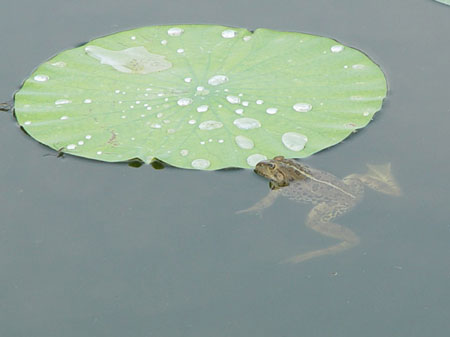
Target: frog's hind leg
(319, 219)
(380, 178)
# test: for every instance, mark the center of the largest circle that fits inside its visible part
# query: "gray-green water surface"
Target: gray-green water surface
(96, 249)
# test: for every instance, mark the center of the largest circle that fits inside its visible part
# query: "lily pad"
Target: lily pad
(446, 2)
(200, 96)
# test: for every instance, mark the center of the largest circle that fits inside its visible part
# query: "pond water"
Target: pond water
(95, 249)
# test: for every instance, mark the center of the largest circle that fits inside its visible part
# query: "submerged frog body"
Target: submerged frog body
(330, 196)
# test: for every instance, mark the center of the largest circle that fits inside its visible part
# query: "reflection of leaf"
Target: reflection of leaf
(199, 96)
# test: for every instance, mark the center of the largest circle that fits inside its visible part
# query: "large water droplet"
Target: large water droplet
(210, 125)
(337, 48)
(272, 111)
(131, 60)
(200, 164)
(184, 152)
(175, 31)
(229, 33)
(217, 79)
(41, 78)
(233, 99)
(254, 159)
(202, 108)
(294, 141)
(244, 142)
(247, 123)
(302, 107)
(184, 101)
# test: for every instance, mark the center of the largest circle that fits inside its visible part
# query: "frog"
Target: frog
(330, 196)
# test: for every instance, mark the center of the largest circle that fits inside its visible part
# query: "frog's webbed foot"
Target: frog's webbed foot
(319, 219)
(265, 202)
(379, 178)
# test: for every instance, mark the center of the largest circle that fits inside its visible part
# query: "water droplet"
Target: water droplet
(200, 163)
(202, 108)
(259, 101)
(117, 91)
(27, 123)
(133, 37)
(358, 66)
(239, 111)
(229, 33)
(244, 142)
(71, 147)
(87, 100)
(41, 78)
(175, 31)
(233, 99)
(163, 42)
(88, 137)
(254, 159)
(247, 123)
(59, 64)
(188, 80)
(210, 125)
(184, 101)
(272, 111)
(180, 50)
(149, 108)
(80, 142)
(184, 152)
(366, 113)
(192, 121)
(99, 152)
(294, 141)
(302, 107)
(159, 115)
(247, 38)
(337, 48)
(155, 126)
(245, 103)
(62, 101)
(64, 118)
(220, 141)
(217, 79)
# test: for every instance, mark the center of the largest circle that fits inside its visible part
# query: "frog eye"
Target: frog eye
(271, 166)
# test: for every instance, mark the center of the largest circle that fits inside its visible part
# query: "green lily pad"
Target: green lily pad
(446, 2)
(200, 96)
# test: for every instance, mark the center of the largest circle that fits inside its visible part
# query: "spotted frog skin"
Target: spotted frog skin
(330, 196)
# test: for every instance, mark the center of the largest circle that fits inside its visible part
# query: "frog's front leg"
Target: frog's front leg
(319, 219)
(265, 202)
